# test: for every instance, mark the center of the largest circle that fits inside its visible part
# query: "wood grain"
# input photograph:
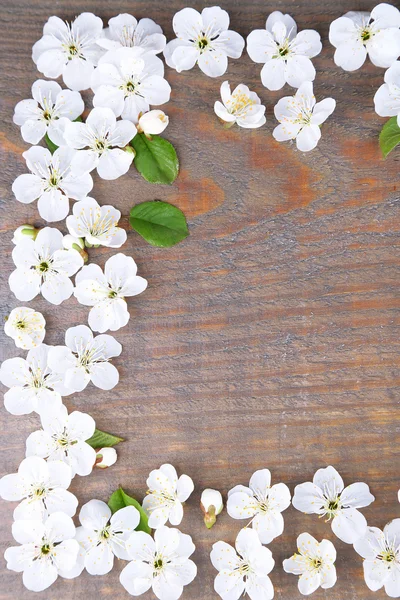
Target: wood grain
(268, 338)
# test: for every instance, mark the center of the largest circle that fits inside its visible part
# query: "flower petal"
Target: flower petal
(349, 525)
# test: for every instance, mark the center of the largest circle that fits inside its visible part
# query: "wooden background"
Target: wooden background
(269, 338)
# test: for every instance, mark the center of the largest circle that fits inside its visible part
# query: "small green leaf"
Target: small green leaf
(159, 223)
(101, 439)
(389, 137)
(51, 145)
(119, 499)
(155, 159)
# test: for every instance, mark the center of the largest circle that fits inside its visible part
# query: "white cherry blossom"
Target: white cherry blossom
(104, 137)
(285, 53)
(204, 39)
(47, 550)
(44, 112)
(85, 358)
(244, 570)
(153, 122)
(104, 535)
(128, 81)
(161, 564)
(241, 106)
(41, 488)
(314, 562)
(387, 98)
(69, 49)
(106, 457)
(63, 437)
(381, 553)
(43, 266)
(125, 31)
(33, 386)
(26, 327)
(106, 292)
(98, 225)
(52, 181)
(262, 503)
(358, 34)
(211, 504)
(327, 496)
(300, 117)
(165, 496)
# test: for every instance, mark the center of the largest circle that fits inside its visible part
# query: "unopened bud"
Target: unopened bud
(130, 150)
(23, 232)
(211, 504)
(105, 457)
(153, 122)
(71, 242)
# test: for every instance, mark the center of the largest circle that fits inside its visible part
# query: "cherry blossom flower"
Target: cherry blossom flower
(162, 564)
(98, 225)
(43, 266)
(262, 503)
(153, 122)
(104, 535)
(47, 550)
(301, 117)
(387, 98)
(285, 53)
(244, 570)
(125, 31)
(165, 496)
(314, 563)
(85, 358)
(242, 107)
(211, 504)
(26, 327)
(105, 138)
(69, 49)
(33, 386)
(204, 39)
(41, 486)
(52, 181)
(43, 113)
(63, 437)
(127, 81)
(106, 457)
(106, 292)
(358, 34)
(327, 496)
(381, 553)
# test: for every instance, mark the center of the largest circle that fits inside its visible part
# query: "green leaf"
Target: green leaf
(155, 159)
(51, 145)
(389, 137)
(101, 439)
(159, 223)
(119, 499)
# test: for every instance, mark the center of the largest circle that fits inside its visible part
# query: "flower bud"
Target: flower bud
(23, 232)
(211, 504)
(153, 122)
(105, 457)
(130, 150)
(74, 243)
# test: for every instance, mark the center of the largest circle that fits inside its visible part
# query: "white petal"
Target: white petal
(268, 525)
(229, 584)
(298, 70)
(39, 575)
(260, 481)
(308, 498)
(27, 188)
(136, 578)
(357, 495)
(322, 110)
(77, 74)
(307, 43)
(260, 588)
(108, 96)
(350, 56)
(224, 557)
(114, 163)
(328, 576)
(260, 46)
(32, 131)
(241, 506)
(99, 560)
(309, 582)
(94, 514)
(213, 64)
(349, 525)
(342, 31)
(81, 458)
(140, 545)
(11, 488)
(185, 488)
(110, 314)
(273, 74)
(126, 520)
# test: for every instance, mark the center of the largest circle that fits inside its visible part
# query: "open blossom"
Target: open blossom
(98, 225)
(104, 137)
(26, 327)
(128, 81)
(358, 34)
(104, 535)
(387, 98)
(165, 496)
(41, 488)
(47, 550)
(52, 181)
(162, 564)
(285, 53)
(300, 117)
(106, 292)
(381, 553)
(85, 358)
(153, 122)
(315, 563)
(125, 31)
(204, 39)
(63, 437)
(327, 496)
(43, 266)
(241, 106)
(262, 503)
(244, 570)
(33, 386)
(69, 49)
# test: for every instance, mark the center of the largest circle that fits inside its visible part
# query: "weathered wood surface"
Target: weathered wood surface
(269, 338)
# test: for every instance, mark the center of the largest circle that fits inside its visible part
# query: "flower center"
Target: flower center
(39, 492)
(112, 294)
(45, 549)
(130, 86)
(105, 533)
(366, 34)
(158, 564)
(202, 44)
(100, 145)
(20, 324)
(388, 555)
(240, 104)
(43, 267)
